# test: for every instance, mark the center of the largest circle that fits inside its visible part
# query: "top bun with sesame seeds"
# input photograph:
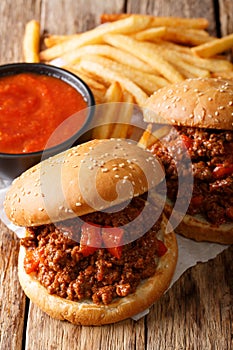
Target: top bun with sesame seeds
(197, 102)
(86, 178)
(198, 138)
(80, 259)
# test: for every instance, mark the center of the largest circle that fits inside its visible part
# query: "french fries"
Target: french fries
(31, 42)
(145, 52)
(126, 26)
(129, 57)
(108, 76)
(110, 111)
(214, 47)
(199, 23)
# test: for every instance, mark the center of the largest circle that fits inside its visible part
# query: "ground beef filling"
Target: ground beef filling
(211, 154)
(63, 270)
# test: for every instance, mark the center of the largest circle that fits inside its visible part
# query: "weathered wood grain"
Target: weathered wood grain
(12, 299)
(197, 8)
(196, 313)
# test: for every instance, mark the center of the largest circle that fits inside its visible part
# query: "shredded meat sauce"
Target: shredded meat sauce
(63, 270)
(211, 154)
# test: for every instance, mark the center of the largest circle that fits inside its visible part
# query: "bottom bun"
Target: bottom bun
(198, 228)
(86, 312)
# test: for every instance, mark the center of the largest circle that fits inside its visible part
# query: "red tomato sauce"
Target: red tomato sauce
(32, 106)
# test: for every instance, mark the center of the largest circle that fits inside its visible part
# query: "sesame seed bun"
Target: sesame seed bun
(87, 178)
(85, 312)
(196, 227)
(203, 103)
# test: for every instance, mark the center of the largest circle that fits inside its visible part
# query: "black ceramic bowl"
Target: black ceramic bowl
(12, 164)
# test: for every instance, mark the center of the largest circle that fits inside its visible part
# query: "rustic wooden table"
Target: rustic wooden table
(196, 313)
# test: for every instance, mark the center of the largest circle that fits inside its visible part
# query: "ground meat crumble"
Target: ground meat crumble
(64, 271)
(211, 154)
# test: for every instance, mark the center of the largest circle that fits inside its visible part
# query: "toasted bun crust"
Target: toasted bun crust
(87, 178)
(199, 229)
(204, 103)
(88, 313)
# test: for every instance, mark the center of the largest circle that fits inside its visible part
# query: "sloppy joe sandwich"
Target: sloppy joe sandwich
(97, 248)
(198, 115)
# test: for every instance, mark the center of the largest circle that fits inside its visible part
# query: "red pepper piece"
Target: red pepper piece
(162, 249)
(187, 141)
(222, 170)
(31, 261)
(90, 239)
(113, 240)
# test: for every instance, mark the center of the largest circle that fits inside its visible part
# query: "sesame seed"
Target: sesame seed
(230, 103)
(104, 170)
(78, 204)
(210, 99)
(115, 168)
(41, 209)
(216, 113)
(221, 107)
(117, 176)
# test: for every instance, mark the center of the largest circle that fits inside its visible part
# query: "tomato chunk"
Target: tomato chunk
(187, 141)
(90, 239)
(162, 249)
(113, 240)
(31, 261)
(222, 170)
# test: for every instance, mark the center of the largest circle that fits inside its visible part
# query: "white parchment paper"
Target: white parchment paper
(190, 252)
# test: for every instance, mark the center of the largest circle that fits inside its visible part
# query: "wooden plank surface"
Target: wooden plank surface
(196, 313)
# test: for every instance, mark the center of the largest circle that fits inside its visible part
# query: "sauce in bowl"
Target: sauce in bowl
(32, 106)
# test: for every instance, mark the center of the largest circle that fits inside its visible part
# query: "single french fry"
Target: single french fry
(108, 75)
(149, 138)
(223, 74)
(214, 47)
(211, 64)
(121, 129)
(52, 40)
(31, 42)
(145, 52)
(125, 26)
(109, 113)
(172, 46)
(150, 33)
(190, 37)
(144, 139)
(200, 23)
(112, 17)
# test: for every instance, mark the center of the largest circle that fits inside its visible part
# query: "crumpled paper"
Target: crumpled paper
(190, 252)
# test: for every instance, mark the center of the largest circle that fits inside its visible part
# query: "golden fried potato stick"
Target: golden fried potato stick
(108, 51)
(110, 76)
(214, 47)
(200, 23)
(128, 25)
(31, 42)
(147, 53)
(109, 112)
(121, 129)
